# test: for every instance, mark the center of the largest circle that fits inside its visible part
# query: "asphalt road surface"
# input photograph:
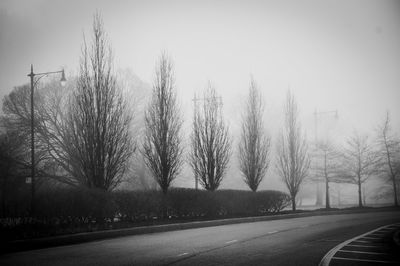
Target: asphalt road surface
(296, 241)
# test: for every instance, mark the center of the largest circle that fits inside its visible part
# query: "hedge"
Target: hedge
(68, 210)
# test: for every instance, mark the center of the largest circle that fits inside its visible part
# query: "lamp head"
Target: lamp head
(63, 80)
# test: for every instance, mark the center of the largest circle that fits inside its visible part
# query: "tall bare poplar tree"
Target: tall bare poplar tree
(97, 144)
(293, 160)
(254, 145)
(210, 141)
(162, 148)
(390, 154)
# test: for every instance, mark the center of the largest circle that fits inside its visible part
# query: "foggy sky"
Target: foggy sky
(333, 55)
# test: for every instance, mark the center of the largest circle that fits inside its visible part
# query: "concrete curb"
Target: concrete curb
(21, 245)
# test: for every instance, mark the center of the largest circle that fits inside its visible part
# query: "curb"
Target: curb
(30, 244)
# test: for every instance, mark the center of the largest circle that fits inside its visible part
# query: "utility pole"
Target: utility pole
(218, 101)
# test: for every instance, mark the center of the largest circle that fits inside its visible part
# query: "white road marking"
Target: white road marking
(362, 241)
(364, 260)
(363, 252)
(378, 234)
(273, 232)
(329, 256)
(369, 237)
(232, 241)
(182, 254)
(362, 246)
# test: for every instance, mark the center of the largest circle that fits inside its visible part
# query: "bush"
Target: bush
(61, 210)
(189, 203)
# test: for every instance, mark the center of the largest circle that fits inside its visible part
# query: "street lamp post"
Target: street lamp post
(32, 76)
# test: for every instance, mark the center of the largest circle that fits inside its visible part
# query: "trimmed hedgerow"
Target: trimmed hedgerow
(71, 210)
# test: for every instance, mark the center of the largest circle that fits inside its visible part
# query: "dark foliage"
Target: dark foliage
(69, 210)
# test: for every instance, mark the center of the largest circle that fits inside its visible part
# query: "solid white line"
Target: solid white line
(362, 252)
(182, 254)
(328, 256)
(232, 241)
(377, 261)
(273, 232)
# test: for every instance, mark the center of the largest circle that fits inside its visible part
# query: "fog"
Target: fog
(334, 56)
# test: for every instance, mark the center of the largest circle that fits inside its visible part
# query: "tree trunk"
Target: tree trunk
(327, 201)
(164, 204)
(293, 203)
(396, 204)
(359, 195)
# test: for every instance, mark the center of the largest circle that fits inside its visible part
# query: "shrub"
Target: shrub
(61, 210)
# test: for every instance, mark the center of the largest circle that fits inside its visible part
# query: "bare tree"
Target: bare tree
(390, 154)
(293, 159)
(328, 156)
(254, 145)
(17, 119)
(360, 162)
(97, 144)
(210, 142)
(84, 136)
(162, 148)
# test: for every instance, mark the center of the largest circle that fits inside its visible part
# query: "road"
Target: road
(296, 241)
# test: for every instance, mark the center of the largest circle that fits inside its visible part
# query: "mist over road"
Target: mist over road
(296, 241)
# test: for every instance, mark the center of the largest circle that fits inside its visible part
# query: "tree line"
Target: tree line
(86, 137)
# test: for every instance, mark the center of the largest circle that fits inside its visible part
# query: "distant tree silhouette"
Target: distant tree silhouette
(328, 167)
(360, 162)
(389, 146)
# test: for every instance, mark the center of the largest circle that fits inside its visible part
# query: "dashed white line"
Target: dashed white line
(232, 241)
(273, 232)
(182, 254)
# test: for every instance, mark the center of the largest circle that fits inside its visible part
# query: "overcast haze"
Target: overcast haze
(333, 55)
